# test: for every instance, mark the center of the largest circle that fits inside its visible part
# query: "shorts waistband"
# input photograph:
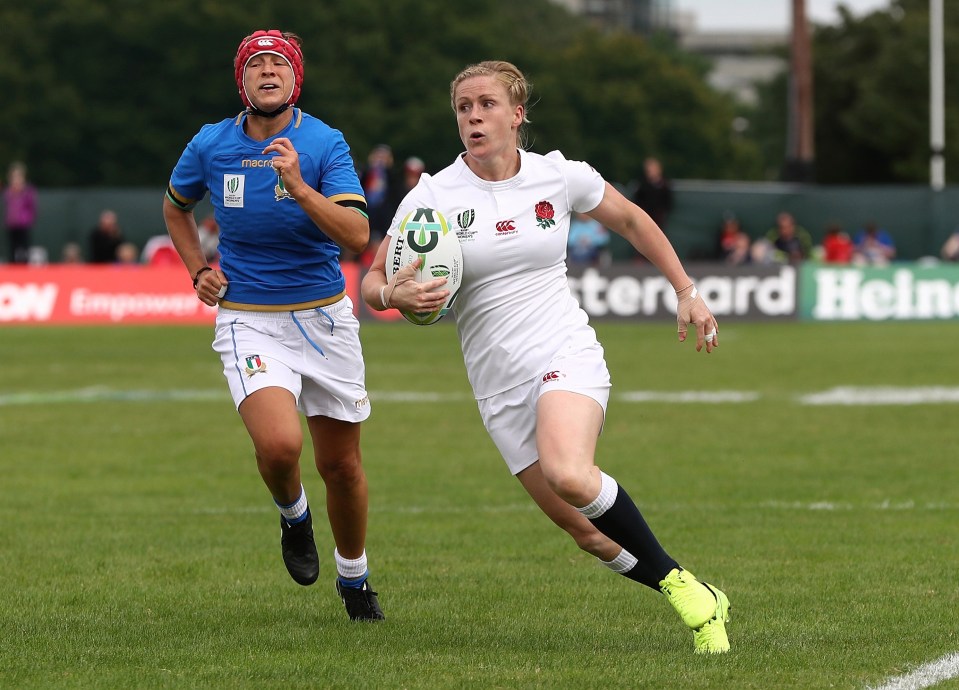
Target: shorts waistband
(299, 306)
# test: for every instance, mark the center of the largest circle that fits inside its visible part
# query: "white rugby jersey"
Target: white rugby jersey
(514, 310)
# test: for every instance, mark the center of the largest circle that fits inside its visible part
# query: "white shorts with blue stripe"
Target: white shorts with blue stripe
(313, 353)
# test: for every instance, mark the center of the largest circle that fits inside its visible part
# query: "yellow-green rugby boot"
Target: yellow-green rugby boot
(702, 607)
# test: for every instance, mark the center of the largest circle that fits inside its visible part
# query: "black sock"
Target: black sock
(640, 573)
(623, 523)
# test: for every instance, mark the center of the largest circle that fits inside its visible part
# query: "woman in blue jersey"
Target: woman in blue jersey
(286, 197)
(536, 368)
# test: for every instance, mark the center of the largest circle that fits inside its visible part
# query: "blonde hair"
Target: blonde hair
(506, 73)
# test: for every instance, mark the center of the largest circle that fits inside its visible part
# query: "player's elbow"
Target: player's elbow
(357, 235)
(357, 242)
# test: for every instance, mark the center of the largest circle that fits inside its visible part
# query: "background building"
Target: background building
(635, 16)
(739, 59)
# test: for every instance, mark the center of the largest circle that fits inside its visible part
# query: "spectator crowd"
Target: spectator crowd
(785, 240)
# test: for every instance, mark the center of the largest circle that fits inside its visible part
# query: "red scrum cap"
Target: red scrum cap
(272, 41)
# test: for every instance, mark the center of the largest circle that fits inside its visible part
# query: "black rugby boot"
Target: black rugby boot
(299, 550)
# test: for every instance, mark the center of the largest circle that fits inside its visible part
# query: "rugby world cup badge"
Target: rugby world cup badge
(233, 190)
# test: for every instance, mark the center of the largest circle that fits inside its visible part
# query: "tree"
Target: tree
(100, 95)
(871, 78)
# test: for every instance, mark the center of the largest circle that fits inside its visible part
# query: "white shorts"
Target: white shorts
(510, 416)
(315, 354)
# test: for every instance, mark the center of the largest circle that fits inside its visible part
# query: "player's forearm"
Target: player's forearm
(649, 240)
(346, 226)
(372, 288)
(181, 226)
(655, 246)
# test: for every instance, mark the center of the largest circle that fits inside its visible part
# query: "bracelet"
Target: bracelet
(196, 278)
(386, 305)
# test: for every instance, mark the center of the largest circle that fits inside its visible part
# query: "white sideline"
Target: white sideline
(105, 393)
(925, 676)
(845, 506)
(882, 395)
(524, 507)
(688, 396)
(842, 395)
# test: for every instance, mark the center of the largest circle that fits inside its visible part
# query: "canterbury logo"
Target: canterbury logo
(550, 376)
(505, 226)
(264, 42)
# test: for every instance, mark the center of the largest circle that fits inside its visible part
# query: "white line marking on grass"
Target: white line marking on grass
(526, 507)
(882, 395)
(925, 676)
(689, 396)
(104, 394)
(828, 506)
(877, 395)
(94, 394)
(209, 510)
(417, 397)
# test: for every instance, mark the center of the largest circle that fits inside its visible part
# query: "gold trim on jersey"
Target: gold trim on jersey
(338, 198)
(178, 199)
(325, 302)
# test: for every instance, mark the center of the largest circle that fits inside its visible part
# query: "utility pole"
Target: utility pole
(937, 81)
(801, 150)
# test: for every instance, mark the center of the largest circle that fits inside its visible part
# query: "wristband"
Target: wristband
(386, 304)
(196, 277)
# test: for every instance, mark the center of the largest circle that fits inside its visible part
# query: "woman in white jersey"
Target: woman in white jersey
(536, 368)
(286, 197)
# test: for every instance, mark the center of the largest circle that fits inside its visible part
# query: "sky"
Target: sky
(729, 15)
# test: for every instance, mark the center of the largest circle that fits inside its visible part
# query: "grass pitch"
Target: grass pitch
(139, 547)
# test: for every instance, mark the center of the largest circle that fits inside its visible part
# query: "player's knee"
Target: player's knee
(342, 470)
(571, 486)
(278, 453)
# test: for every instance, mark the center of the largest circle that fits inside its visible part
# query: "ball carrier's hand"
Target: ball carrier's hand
(691, 309)
(405, 293)
(210, 285)
(286, 163)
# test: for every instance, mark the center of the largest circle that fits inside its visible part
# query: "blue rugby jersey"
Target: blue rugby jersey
(270, 250)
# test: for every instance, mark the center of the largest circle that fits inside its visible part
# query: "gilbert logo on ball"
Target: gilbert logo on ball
(425, 234)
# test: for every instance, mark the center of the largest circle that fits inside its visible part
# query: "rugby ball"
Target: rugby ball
(425, 233)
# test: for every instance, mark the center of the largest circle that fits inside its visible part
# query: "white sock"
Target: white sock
(351, 570)
(623, 563)
(296, 511)
(605, 500)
